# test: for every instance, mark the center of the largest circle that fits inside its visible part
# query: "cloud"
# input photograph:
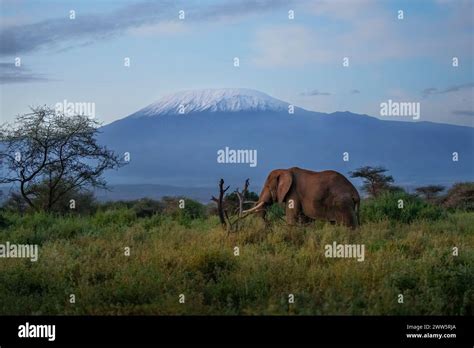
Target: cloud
(9, 73)
(342, 9)
(357, 32)
(449, 104)
(54, 32)
(428, 91)
(158, 29)
(456, 88)
(366, 31)
(463, 112)
(288, 45)
(234, 8)
(314, 92)
(143, 17)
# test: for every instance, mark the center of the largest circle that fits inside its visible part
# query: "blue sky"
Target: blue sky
(299, 60)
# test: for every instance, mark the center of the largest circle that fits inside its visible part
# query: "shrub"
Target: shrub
(147, 207)
(115, 205)
(275, 212)
(84, 203)
(452, 279)
(192, 209)
(3, 219)
(386, 206)
(123, 217)
(460, 197)
(213, 264)
(15, 203)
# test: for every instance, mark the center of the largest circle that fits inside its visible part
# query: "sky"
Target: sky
(298, 60)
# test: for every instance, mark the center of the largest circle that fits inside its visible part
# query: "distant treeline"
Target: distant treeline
(391, 203)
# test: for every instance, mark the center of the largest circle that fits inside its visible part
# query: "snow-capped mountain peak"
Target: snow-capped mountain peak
(214, 100)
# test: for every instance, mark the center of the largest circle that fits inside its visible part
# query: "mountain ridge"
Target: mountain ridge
(213, 100)
(182, 151)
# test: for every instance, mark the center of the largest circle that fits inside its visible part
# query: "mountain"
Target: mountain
(169, 147)
(213, 100)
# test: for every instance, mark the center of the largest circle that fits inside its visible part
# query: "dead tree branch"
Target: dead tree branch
(226, 222)
(241, 197)
(220, 206)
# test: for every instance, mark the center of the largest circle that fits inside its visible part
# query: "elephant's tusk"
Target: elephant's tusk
(253, 209)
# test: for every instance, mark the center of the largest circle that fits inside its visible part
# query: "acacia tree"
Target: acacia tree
(49, 155)
(374, 179)
(430, 192)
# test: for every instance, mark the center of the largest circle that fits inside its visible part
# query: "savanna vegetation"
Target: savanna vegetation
(186, 251)
(173, 257)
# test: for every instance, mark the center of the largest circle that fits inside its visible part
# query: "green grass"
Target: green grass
(85, 256)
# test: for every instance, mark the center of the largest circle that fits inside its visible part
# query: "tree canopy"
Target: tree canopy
(50, 155)
(374, 179)
(429, 192)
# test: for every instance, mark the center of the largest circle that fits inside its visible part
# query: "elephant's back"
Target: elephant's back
(326, 183)
(338, 184)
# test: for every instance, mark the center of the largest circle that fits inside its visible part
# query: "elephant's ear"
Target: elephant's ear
(284, 183)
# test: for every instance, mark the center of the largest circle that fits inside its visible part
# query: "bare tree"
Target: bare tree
(223, 218)
(221, 206)
(49, 155)
(241, 196)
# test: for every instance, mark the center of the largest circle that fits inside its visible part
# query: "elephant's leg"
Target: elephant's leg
(331, 215)
(292, 211)
(291, 217)
(353, 220)
(348, 217)
(303, 219)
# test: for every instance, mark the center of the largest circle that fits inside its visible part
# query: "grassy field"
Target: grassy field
(85, 256)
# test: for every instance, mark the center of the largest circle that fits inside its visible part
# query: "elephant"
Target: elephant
(325, 195)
